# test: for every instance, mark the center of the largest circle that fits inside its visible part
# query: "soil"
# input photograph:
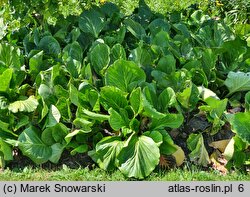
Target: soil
(71, 161)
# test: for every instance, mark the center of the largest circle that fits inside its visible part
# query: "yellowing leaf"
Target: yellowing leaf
(220, 145)
(179, 156)
(28, 105)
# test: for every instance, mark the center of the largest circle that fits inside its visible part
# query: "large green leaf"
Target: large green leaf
(9, 57)
(125, 75)
(117, 52)
(5, 79)
(118, 120)
(107, 150)
(237, 81)
(168, 120)
(49, 45)
(28, 105)
(92, 21)
(159, 24)
(240, 123)
(99, 57)
(139, 157)
(135, 28)
(198, 150)
(33, 147)
(111, 96)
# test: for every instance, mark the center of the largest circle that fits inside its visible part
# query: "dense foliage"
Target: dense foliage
(131, 91)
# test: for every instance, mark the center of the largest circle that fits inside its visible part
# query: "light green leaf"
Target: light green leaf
(139, 157)
(33, 147)
(205, 93)
(125, 75)
(54, 116)
(74, 133)
(5, 79)
(189, 97)
(99, 57)
(118, 120)
(113, 97)
(92, 21)
(6, 150)
(118, 52)
(95, 116)
(80, 149)
(240, 123)
(150, 111)
(237, 81)
(107, 150)
(156, 136)
(135, 100)
(198, 150)
(28, 105)
(215, 107)
(168, 120)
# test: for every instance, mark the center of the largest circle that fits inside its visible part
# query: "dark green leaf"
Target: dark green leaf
(99, 57)
(92, 21)
(49, 45)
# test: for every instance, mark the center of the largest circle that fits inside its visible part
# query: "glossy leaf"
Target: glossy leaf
(107, 151)
(33, 147)
(99, 57)
(125, 75)
(113, 97)
(92, 21)
(237, 81)
(139, 157)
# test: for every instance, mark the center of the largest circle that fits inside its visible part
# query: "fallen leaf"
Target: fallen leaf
(218, 162)
(220, 145)
(179, 156)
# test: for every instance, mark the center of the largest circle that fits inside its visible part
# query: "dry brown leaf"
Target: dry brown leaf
(220, 145)
(167, 162)
(179, 156)
(218, 162)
